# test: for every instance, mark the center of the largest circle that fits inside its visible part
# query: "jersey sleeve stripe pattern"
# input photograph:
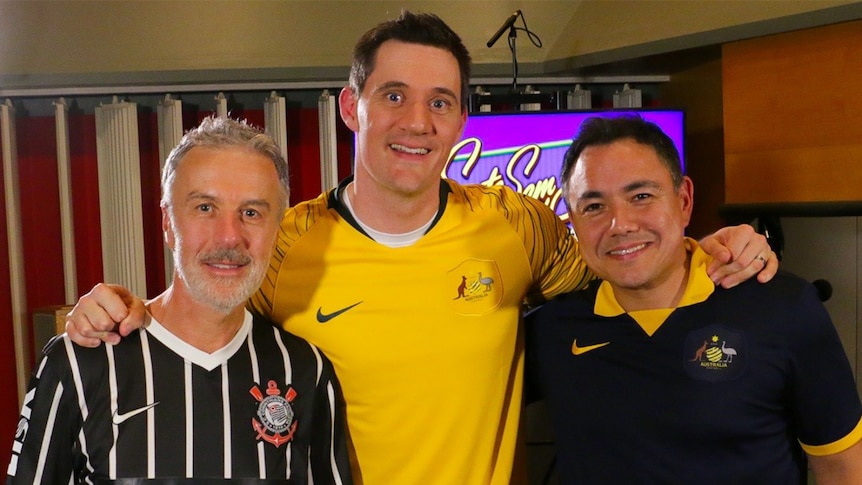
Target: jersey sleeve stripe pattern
(297, 221)
(550, 248)
(46, 439)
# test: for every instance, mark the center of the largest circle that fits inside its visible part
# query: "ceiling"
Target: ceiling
(79, 42)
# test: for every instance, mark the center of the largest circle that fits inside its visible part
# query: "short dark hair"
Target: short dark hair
(604, 130)
(413, 28)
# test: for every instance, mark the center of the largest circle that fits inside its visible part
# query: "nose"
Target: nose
(417, 118)
(623, 220)
(229, 230)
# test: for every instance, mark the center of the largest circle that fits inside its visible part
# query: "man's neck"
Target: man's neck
(200, 326)
(391, 212)
(667, 294)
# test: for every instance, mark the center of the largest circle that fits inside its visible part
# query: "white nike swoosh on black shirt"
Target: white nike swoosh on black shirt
(118, 418)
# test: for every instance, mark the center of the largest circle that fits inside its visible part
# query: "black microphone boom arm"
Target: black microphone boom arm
(506, 26)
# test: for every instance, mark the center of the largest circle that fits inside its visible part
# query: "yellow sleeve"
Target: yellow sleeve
(551, 248)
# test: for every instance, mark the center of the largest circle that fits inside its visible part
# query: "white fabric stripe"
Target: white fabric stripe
(82, 438)
(255, 376)
(288, 379)
(115, 430)
(261, 460)
(88, 480)
(287, 453)
(190, 445)
(330, 393)
(76, 376)
(79, 390)
(308, 473)
(225, 399)
(41, 368)
(12, 469)
(49, 431)
(288, 370)
(151, 413)
(319, 363)
(255, 364)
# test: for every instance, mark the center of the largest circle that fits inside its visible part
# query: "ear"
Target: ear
(686, 198)
(167, 230)
(348, 103)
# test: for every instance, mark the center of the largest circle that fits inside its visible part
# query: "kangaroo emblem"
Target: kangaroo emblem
(699, 354)
(461, 288)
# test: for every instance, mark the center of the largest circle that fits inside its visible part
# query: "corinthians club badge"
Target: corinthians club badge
(276, 424)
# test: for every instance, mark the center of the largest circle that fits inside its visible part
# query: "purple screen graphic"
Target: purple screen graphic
(524, 150)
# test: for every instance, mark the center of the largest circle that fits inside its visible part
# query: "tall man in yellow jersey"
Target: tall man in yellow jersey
(370, 271)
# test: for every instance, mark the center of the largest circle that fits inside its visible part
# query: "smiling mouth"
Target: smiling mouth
(412, 151)
(627, 251)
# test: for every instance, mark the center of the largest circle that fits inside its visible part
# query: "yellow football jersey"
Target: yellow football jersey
(424, 339)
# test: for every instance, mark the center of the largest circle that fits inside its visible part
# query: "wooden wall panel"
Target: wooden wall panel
(793, 116)
(697, 90)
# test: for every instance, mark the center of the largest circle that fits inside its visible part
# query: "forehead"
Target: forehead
(238, 171)
(415, 65)
(619, 161)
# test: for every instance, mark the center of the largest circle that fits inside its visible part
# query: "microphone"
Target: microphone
(506, 25)
(824, 289)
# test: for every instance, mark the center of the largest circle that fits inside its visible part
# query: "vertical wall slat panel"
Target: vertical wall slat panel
(221, 105)
(328, 142)
(16, 252)
(67, 231)
(170, 120)
(118, 156)
(275, 122)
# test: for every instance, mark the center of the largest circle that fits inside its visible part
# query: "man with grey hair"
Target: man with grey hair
(205, 390)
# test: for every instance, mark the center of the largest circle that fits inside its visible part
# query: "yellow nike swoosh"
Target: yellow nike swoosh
(583, 350)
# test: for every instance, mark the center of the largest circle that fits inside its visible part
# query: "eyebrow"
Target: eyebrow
(640, 184)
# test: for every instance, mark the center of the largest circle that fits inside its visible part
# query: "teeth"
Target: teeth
(224, 266)
(629, 250)
(414, 151)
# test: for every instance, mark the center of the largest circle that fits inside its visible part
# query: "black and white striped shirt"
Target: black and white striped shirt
(264, 407)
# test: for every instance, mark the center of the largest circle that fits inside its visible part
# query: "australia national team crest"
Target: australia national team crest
(714, 353)
(275, 422)
(475, 286)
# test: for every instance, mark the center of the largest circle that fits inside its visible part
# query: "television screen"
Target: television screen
(524, 149)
